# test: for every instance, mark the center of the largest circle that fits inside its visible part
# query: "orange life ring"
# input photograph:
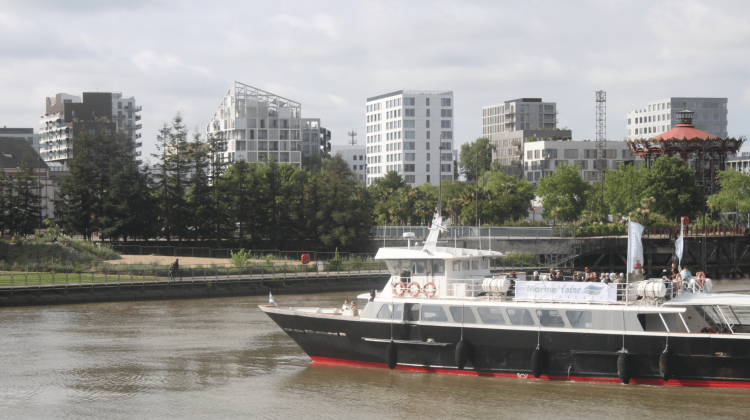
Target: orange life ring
(427, 293)
(700, 280)
(708, 330)
(403, 289)
(701, 275)
(412, 292)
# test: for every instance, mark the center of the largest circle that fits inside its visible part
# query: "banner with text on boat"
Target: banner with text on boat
(566, 291)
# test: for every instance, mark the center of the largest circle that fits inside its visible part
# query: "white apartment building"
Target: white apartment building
(256, 125)
(739, 163)
(658, 116)
(355, 156)
(510, 124)
(542, 157)
(67, 116)
(410, 132)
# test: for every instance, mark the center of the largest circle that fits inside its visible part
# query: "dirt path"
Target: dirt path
(184, 261)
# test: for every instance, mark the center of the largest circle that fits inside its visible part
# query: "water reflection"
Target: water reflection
(223, 358)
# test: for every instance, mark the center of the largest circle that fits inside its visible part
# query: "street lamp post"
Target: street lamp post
(476, 181)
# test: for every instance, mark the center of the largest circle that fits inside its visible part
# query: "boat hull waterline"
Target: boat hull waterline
(698, 360)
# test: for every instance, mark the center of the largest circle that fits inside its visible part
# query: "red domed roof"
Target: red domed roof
(684, 131)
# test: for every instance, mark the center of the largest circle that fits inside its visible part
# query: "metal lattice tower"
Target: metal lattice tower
(352, 134)
(601, 131)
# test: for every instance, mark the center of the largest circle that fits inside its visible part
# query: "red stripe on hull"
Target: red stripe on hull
(637, 381)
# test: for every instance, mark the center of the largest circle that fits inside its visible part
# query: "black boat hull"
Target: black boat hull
(719, 360)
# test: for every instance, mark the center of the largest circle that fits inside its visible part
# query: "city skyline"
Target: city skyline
(333, 56)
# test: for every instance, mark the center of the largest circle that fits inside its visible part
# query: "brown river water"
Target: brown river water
(225, 359)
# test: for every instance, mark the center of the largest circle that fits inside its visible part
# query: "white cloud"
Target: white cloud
(319, 22)
(330, 56)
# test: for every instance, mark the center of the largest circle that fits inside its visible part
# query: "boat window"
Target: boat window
(579, 319)
(475, 264)
(520, 317)
(434, 313)
(465, 265)
(485, 264)
(418, 267)
(385, 312)
(491, 315)
(428, 267)
(438, 267)
(456, 265)
(412, 312)
(393, 267)
(468, 316)
(550, 318)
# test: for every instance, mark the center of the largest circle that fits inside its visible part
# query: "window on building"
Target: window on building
(445, 101)
(409, 124)
(446, 157)
(410, 179)
(445, 167)
(571, 154)
(409, 102)
(410, 145)
(428, 111)
(409, 167)
(589, 153)
(409, 157)
(583, 164)
(445, 123)
(446, 113)
(446, 135)
(409, 112)
(427, 124)
(428, 135)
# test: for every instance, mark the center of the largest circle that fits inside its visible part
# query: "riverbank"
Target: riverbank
(164, 290)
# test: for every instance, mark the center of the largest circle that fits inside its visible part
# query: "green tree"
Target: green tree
(672, 183)
(563, 193)
(173, 169)
(475, 158)
(128, 204)
(509, 197)
(624, 188)
(83, 188)
(23, 200)
(339, 214)
(734, 194)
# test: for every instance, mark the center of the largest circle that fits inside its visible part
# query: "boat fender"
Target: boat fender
(463, 348)
(391, 355)
(538, 362)
(664, 365)
(623, 368)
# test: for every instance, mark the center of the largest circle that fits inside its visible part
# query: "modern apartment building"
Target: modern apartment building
(256, 125)
(66, 116)
(658, 116)
(27, 133)
(410, 132)
(355, 156)
(316, 140)
(510, 124)
(543, 157)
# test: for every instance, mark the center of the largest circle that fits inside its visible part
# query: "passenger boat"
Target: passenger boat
(442, 310)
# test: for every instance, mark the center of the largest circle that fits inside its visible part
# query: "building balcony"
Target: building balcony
(117, 117)
(137, 117)
(133, 108)
(138, 126)
(139, 144)
(138, 135)
(138, 153)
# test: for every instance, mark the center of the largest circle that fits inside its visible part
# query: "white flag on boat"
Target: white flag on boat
(678, 244)
(635, 246)
(271, 300)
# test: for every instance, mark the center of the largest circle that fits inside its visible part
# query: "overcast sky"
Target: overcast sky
(330, 56)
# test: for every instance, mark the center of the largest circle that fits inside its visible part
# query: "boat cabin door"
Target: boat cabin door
(411, 318)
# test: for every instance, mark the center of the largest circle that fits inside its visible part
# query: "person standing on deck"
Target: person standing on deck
(177, 270)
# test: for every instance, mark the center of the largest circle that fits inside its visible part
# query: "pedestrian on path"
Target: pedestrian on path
(171, 272)
(177, 269)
